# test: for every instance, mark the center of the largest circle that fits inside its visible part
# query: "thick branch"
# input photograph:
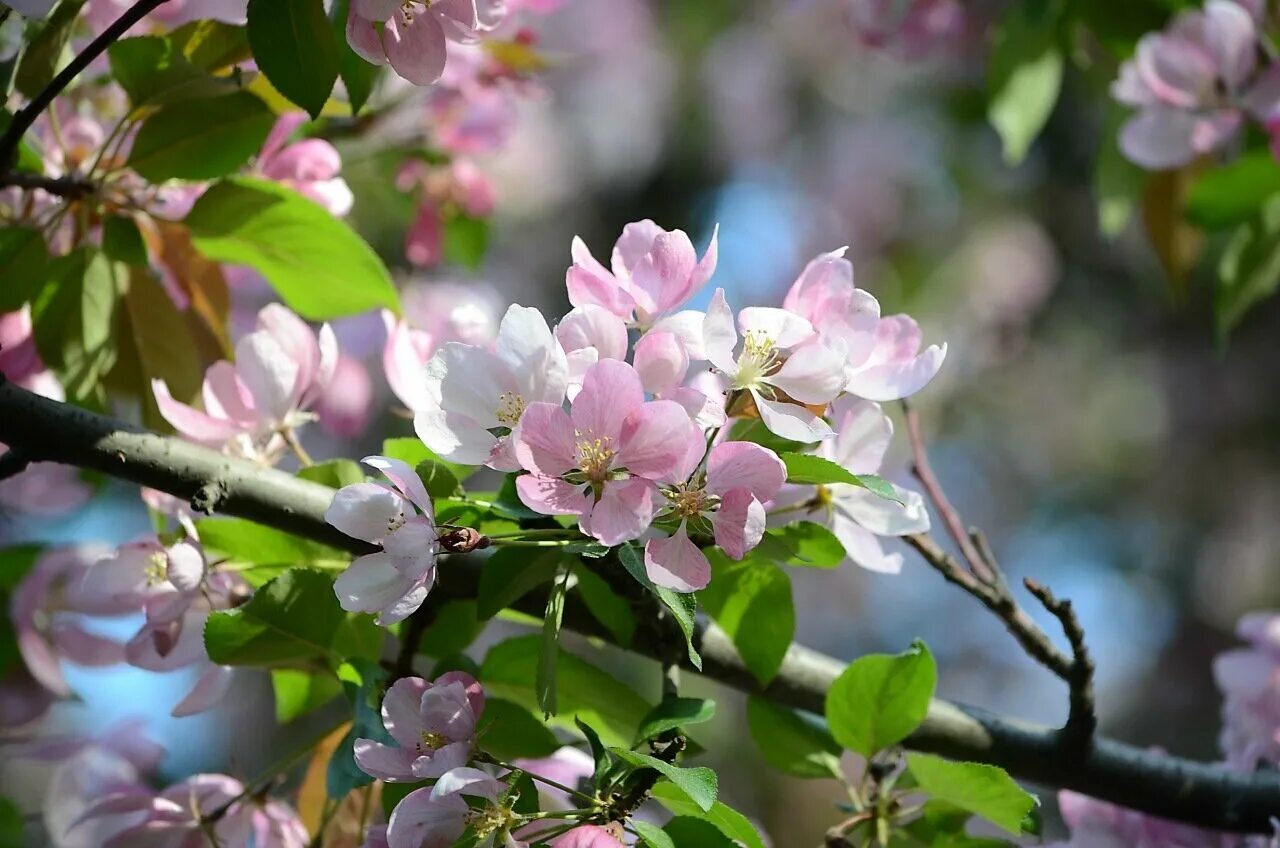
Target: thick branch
(26, 116)
(70, 187)
(1198, 793)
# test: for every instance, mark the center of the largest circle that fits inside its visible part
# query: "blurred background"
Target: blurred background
(1086, 418)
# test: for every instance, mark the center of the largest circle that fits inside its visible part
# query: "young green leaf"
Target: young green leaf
(683, 607)
(699, 783)
(154, 71)
(550, 643)
(201, 139)
(605, 605)
(25, 258)
(317, 264)
(803, 543)
(511, 573)
(363, 683)
(805, 468)
(291, 621)
(880, 698)
(791, 743)
(1024, 77)
(727, 820)
(294, 45)
(1249, 270)
(1232, 193)
(508, 731)
(335, 473)
(983, 790)
(246, 541)
(74, 318)
(751, 601)
(298, 692)
(652, 835)
(675, 713)
(696, 831)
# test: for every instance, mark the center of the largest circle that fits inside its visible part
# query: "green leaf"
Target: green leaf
(466, 240)
(753, 430)
(201, 139)
(1117, 182)
(15, 562)
(550, 651)
(879, 699)
(455, 627)
(153, 71)
(413, 452)
(803, 543)
(335, 473)
(674, 713)
(1249, 270)
(43, 54)
(699, 783)
(1233, 193)
(10, 825)
(293, 44)
(357, 75)
(751, 601)
(437, 478)
(25, 259)
(729, 821)
(163, 350)
(805, 468)
(212, 45)
(246, 541)
(983, 790)
(652, 835)
(291, 621)
(299, 692)
(74, 318)
(122, 242)
(319, 267)
(508, 731)
(606, 606)
(584, 691)
(508, 503)
(791, 743)
(1024, 77)
(510, 574)
(364, 683)
(683, 606)
(690, 832)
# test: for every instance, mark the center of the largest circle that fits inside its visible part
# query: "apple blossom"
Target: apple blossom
(476, 397)
(399, 518)
(178, 643)
(588, 836)
(568, 766)
(413, 35)
(781, 362)
(857, 516)
(653, 273)
(1192, 84)
(1249, 679)
(81, 781)
(280, 372)
(163, 581)
(603, 460)
(1097, 824)
(309, 166)
(345, 408)
(588, 334)
(437, 816)
(727, 501)
(882, 356)
(912, 28)
(433, 726)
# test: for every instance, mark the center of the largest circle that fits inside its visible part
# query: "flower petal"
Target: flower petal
(660, 442)
(611, 392)
(661, 361)
(739, 522)
(403, 478)
(545, 440)
(551, 495)
(624, 511)
(394, 765)
(719, 337)
(366, 511)
(415, 49)
(745, 465)
(790, 421)
(676, 563)
(400, 710)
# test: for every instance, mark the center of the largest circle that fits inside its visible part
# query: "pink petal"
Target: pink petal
(363, 38)
(415, 50)
(593, 326)
(863, 433)
(551, 495)
(633, 245)
(475, 692)
(424, 240)
(660, 280)
(719, 337)
(400, 710)
(468, 781)
(208, 691)
(545, 440)
(271, 374)
(791, 421)
(676, 563)
(365, 511)
(591, 287)
(660, 442)
(661, 361)
(420, 821)
(1232, 38)
(226, 396)
(297, 340)
(404, 360)
(739, 522)
(705, 268)
(279, 135)
(745, 465)
(587, 836)
(863, 547)
(624, 511)
(372, 583)
(192, 423)
(403, 478)
(1159, 138)
(611, 391)
(898, 379)
(394, 765)
(454, 437)
(814, 373)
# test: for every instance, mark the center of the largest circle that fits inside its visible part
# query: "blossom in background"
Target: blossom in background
(433, 726)
(446, 190)
(436, 817)
(472, 391)
(568, 766)
(281, 371)
(399, 518)
(310, 166)
(1193, 84)
(912, 28)
(603, 460)
(882, 356)
(1097, 824)
(413, 33)
(345, 408)
(90, 773)
(1249, 679)
(653, 273)
(728, 502)
(588, 836)
(857, 516)
(781, 362)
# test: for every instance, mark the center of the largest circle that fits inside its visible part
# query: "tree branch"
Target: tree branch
(1203, 794)
(1082, 720)
(26, 116)
(70, 187)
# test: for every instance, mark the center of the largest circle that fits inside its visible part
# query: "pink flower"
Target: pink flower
(568, 766)
(882, 356)
(1249, 679)
(662, 360)
(781, 362)
(1192, 85)
(603, 460)
(433, 725)
(83, 780)
(162, 581)
(857, 516)
(399, 518)
(459, 187)
(413, 33)
(178, 643)
(587, 335)
(588, 836)
(1097, 824)
(475, 397)
(310, 167)
(44, 610)
(913, 28)
(437, 816)
(728, 502)
(654, 273)
(281, 370)
(347, 404)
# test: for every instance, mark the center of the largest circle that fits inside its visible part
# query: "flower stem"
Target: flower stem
(291, 439)
(566, 533)
(530, 543)
(548, 781)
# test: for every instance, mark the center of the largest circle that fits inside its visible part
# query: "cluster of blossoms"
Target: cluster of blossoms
(431, 736)
(911, 28)
(1194, 83)
(625, 416)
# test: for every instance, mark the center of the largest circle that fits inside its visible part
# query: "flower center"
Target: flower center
(690, 501)
(396, 521)
(594, 454)
(431, 741)
(490, 819)
(157, 570)
(511, 406)
(759, 359)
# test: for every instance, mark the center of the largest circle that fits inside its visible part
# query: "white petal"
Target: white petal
(792, 422)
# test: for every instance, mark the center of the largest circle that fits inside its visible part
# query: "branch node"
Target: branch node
(209, 497)
(1082, 720)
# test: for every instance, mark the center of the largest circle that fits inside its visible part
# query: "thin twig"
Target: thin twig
(1082, 720)
(71, 187)
(26, 116)
(950, 517)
